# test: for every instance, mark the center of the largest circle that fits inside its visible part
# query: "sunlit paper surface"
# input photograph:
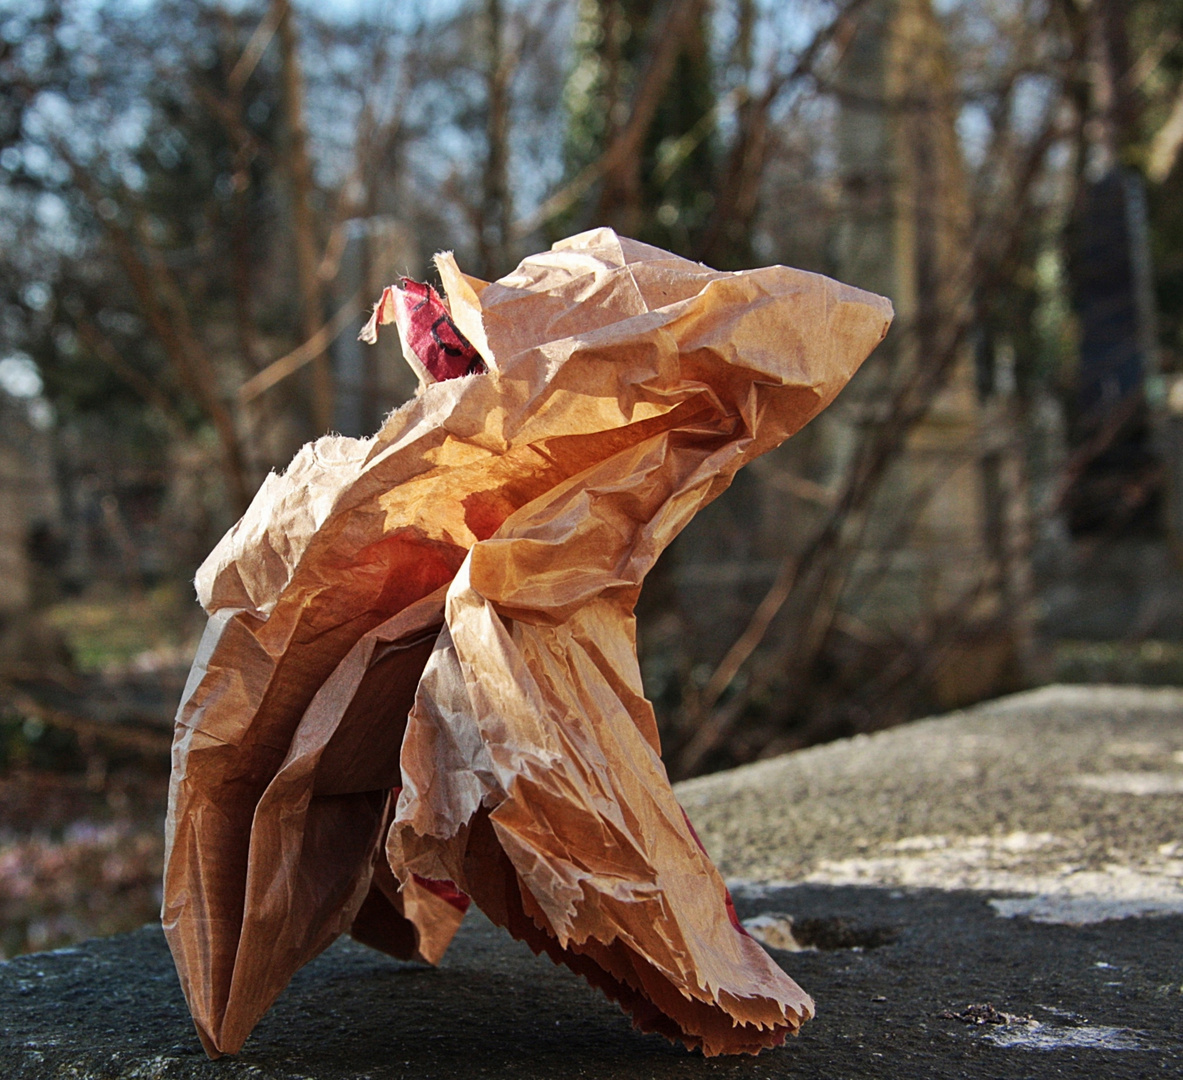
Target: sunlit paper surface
(420, 662)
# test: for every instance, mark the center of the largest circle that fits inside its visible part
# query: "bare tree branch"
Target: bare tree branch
(289, 364)
(256, 47)
(617, 165)
(162, 304)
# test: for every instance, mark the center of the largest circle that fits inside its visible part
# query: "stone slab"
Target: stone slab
(1070, 795)
(925, 971)
(1103, 1001)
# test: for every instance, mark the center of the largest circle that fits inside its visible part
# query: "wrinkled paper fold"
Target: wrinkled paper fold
(419, 680)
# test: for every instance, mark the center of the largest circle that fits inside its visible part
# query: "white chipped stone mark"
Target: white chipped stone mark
(1081, 910)
(1136, 748)
(1132, 783)
(775, 931)
(1038, 868)
(1039, 1036)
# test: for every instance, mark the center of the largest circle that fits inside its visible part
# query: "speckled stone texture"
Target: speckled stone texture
(1072, 793)
(920, 866)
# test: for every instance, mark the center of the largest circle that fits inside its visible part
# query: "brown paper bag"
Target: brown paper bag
(419, 679)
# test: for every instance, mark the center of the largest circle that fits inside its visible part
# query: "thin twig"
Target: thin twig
(255, 48)
(141, 739)
(290, 363)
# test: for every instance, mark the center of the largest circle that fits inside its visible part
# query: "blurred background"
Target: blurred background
(199, 200)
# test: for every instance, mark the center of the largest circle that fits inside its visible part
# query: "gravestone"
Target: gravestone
(905, 233)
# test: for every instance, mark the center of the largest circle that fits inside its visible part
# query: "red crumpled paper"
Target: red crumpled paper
(419, 681)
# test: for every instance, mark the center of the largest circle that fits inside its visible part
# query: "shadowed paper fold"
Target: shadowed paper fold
(420, 665)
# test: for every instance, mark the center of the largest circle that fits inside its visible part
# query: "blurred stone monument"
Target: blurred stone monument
(905, 233)
(931, 546)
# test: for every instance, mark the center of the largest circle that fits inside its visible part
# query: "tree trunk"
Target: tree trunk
(496, 204)
(299, 173)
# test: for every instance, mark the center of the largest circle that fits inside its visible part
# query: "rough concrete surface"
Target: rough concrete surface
(921, 858)
(1069, 795)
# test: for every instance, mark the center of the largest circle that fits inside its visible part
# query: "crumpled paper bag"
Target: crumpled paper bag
(419, 681)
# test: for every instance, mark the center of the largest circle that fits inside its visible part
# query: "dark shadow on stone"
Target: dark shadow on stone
(111, 1009)
(838, 933)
